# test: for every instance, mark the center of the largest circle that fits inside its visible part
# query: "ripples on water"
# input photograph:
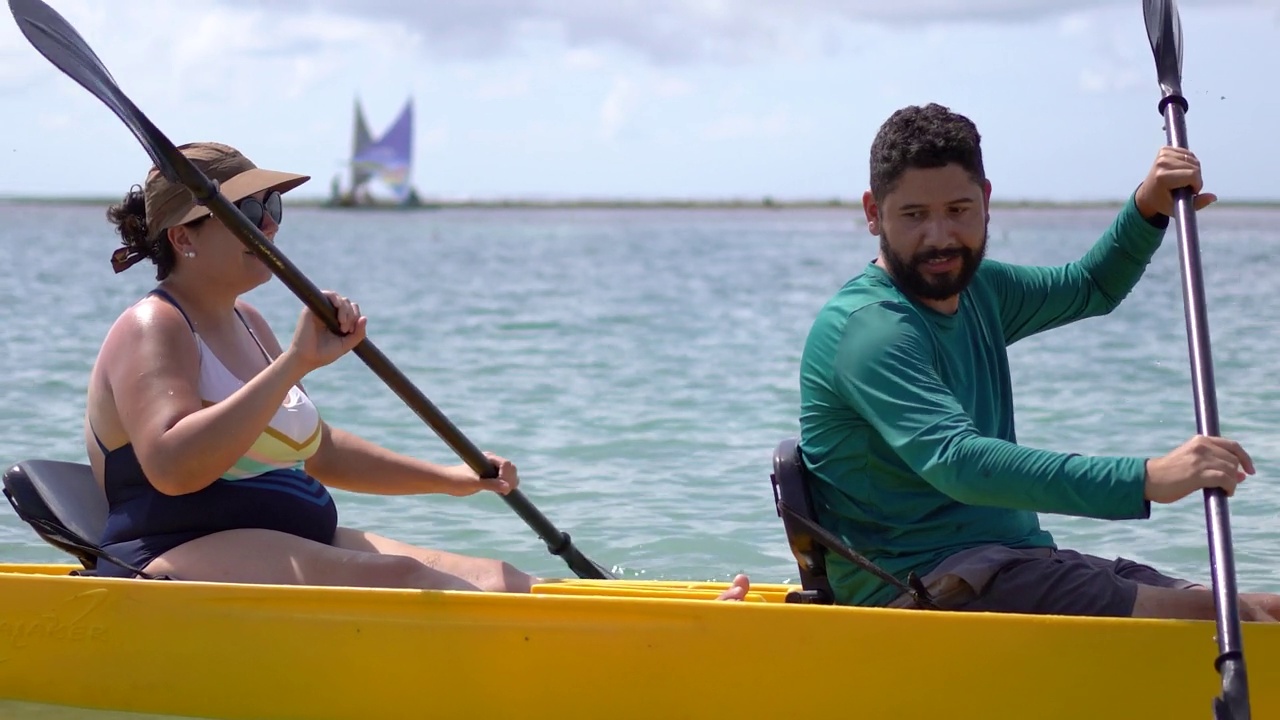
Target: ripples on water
(640, 366)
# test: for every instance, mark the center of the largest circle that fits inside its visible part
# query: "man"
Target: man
(907, 409)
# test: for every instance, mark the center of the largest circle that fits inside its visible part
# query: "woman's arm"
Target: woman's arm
(153, 369)
(349, 462)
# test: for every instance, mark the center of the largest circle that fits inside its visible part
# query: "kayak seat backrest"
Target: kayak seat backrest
(62, 502)
(791, 492)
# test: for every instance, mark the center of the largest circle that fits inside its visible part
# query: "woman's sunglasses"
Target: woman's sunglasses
(254, 209)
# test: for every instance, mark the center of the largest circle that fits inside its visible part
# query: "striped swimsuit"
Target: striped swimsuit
(267, 487)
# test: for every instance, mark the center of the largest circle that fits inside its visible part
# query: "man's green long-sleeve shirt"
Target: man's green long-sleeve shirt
(907, 414)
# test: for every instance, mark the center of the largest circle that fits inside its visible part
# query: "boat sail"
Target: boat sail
(381, 167)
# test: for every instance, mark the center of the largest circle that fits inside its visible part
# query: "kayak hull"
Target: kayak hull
(585, 649)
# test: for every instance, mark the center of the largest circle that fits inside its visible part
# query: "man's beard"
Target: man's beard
(928, 286)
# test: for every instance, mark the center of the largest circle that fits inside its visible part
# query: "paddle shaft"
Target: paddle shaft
(55, 38)
(1230, 661)
(558, 542)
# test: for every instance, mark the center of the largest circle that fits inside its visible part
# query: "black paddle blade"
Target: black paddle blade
(61, 45)
(1164, 30)
(586, 568)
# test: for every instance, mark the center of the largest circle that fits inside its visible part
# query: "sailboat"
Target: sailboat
(381, 167)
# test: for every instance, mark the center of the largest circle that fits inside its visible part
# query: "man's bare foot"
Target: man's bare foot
(739, 589)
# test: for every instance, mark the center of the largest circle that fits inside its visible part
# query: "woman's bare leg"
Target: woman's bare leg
(483, 573)
(492, 575)
(252, 555)
(356, 559)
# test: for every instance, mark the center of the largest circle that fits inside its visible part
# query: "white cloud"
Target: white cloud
(510, 139)
(675, 31)
(617, 107)
(772, 125)
(504, 88)
(435, 136)
(192, 53)
(1075, 24)
(1112, 79)
(1112, 61)
(56, 121)
(583, 59)
(672, 87)
(628, 94)
(184, 52)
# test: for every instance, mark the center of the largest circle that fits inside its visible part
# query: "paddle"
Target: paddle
(59, 42)
(1164, 29)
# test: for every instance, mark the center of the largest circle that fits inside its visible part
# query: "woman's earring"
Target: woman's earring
(190, 253)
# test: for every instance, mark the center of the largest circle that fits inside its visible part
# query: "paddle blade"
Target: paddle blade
(1164, 30)
(589, 569)
(61, 45)
(50, 34)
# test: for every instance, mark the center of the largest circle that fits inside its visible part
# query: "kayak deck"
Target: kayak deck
(592, 648)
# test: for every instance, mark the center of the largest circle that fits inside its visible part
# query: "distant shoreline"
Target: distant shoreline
(644, 204)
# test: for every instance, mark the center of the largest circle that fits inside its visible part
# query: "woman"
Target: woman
(213, 459)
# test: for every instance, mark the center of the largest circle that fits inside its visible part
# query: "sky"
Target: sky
(648, 99)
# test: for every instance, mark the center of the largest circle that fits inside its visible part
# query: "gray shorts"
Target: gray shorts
(1040, 581)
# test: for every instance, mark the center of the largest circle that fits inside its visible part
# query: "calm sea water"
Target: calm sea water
(640, 367)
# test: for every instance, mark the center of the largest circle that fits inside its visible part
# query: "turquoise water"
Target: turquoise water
(640, 367)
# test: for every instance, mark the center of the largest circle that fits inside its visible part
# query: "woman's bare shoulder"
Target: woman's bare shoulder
(144, 326)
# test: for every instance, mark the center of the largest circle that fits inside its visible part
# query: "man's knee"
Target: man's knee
(1162, 602)
(1188, 604)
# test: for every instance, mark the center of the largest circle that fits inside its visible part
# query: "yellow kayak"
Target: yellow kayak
(585, 648)
(576, 648)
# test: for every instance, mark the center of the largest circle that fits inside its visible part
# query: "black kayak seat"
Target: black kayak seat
(792, 495)
(62, 502)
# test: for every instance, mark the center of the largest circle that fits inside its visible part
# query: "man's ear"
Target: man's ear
(872, 212)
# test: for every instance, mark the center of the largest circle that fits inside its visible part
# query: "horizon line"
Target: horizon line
(656, 202)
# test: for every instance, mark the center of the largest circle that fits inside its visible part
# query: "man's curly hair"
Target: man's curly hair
(929, 136)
